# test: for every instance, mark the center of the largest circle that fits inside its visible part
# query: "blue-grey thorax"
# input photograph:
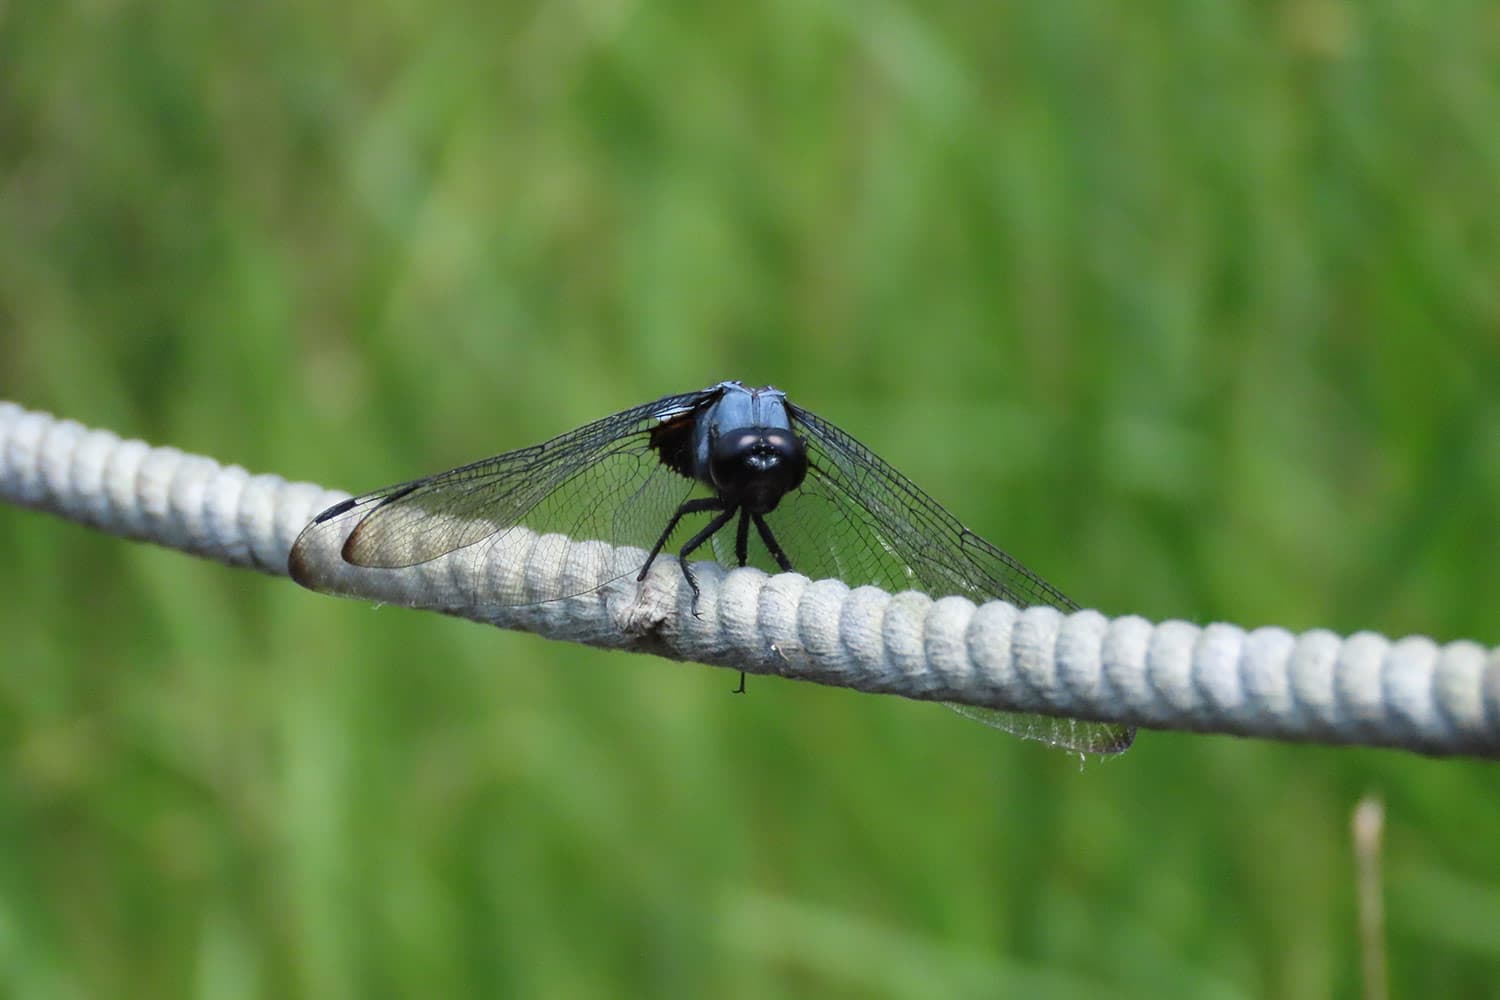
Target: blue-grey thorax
(738, 407)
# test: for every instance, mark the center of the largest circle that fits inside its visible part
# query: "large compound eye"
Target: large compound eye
(757, 466)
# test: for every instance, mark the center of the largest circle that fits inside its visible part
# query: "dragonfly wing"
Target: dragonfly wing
(604, 481)
(859, 520)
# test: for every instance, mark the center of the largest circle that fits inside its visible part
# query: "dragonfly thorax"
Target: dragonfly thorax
(754, 467)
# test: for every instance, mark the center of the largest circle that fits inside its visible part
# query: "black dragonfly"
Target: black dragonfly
(818, 501)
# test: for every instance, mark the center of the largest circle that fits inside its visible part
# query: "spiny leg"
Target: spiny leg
(688, 507)
(771, 544)
(708, 532)
(742, 552)
(742, 538)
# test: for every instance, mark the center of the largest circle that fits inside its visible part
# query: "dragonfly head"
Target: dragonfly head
(756, 466)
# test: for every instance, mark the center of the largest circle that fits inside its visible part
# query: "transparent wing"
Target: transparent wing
(602, 481)
(858, 520)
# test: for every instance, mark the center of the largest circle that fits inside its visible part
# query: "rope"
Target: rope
(1365, 689)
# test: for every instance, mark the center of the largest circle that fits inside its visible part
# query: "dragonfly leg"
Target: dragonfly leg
(708, 532)
(771, 544)
(689, 507)
(742, 538)
(742, 553)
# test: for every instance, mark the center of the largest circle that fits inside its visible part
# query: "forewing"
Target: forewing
(858, 520)
(602, 481)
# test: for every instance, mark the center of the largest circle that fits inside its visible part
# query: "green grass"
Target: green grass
(1194, 307)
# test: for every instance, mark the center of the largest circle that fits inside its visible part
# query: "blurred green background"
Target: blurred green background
(1194, 307)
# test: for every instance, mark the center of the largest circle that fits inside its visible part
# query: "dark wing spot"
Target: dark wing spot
(672, 440)
(336, 510)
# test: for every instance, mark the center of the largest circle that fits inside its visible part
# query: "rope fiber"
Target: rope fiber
(1411, 693)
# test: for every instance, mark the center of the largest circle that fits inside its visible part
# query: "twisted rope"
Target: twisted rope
(1365, 689)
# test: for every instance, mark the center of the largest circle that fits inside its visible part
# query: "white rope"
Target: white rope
(1317, 687)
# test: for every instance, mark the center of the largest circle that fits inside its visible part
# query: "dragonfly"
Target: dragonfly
(742, 473)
